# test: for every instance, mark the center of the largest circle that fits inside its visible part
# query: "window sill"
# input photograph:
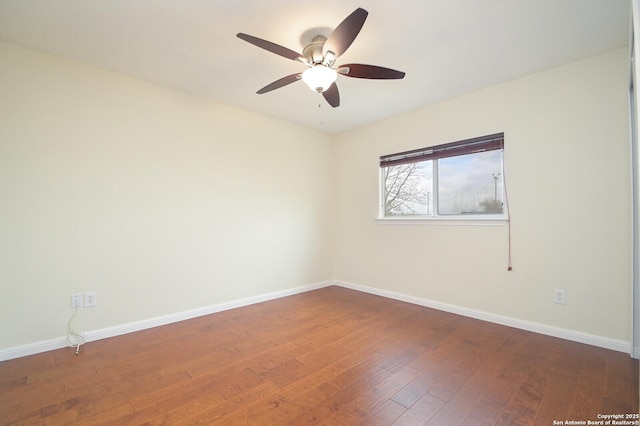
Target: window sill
(458, 221)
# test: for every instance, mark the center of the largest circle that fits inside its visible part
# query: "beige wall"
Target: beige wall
(159, 201)
(567, 169)
(162, 202)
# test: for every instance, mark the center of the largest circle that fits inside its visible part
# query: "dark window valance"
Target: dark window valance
(467, 146)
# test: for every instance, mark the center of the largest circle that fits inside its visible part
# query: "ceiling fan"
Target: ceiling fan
(320, 56)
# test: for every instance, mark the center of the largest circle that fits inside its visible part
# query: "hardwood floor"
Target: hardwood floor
(330, 356)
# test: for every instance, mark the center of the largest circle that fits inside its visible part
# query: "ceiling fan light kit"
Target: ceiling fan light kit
(320, 56)
(319, 77)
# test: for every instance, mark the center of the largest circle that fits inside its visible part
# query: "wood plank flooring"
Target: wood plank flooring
(332, 356)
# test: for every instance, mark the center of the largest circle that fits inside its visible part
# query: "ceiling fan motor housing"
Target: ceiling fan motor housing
(313, 51)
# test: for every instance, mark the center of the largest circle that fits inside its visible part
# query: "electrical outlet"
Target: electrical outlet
(76, 300)
(559, 296)
(89, 299)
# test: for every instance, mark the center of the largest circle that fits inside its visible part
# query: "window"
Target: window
(458, 180)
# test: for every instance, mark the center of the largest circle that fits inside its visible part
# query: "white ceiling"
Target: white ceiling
(446, 47)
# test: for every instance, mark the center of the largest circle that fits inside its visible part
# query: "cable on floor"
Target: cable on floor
(74, 339)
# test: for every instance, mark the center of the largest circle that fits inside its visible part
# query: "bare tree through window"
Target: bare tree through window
(408, 189)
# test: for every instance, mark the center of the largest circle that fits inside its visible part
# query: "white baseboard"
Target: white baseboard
(61, 342)
(576, 336)
(32, 348)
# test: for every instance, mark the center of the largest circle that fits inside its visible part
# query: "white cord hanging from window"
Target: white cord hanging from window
(508, 210)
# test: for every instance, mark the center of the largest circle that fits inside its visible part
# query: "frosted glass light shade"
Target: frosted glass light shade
(319, 77)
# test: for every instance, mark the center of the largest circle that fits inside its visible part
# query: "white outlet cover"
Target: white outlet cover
(90, 299)
(76, 300)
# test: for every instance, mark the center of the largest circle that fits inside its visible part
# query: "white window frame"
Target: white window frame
(434, 217)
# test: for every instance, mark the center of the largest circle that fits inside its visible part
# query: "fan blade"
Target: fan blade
(345, 33)
(332, 95)
(369, 71)
(280, 83)
(271, 47)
